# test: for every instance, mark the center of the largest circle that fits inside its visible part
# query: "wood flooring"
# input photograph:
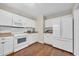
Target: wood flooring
(38, 49)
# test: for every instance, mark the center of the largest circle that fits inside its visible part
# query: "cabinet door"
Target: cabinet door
(55, 24)
(62, 27)
(17, 21)
(56, 27)
(33, 23)
(30, 39)
(27, 23)
(48, 23)
(64, 44)
(34, 36)
(66, 27)
(48, 38)
(24, 21)
(1, 48)
(30, 23)
(8, 45)
(5, 18)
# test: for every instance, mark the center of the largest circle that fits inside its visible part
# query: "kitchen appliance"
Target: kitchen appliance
(20, 41)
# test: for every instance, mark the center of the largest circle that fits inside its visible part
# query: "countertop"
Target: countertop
(6, 34)
(31, 32)
(48, 32)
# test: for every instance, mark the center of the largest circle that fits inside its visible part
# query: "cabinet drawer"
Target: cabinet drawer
(64, 44)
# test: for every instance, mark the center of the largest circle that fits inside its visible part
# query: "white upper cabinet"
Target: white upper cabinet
(11, 19)
(33, 23)
(66, 27)
(30, 23)
(5, 18)
(55, 24)
(48, 23)
(18, 21)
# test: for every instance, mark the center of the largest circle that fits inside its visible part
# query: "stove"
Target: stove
(20, 41)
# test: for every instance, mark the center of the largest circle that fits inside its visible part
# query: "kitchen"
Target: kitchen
(23, 25)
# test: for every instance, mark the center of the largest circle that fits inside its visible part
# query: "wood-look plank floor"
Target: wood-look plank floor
(38, 49)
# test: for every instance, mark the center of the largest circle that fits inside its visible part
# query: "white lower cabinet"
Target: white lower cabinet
(1, 48)
(6, 45)
(48, 37)
(31, 38)
(64, 44)
(67, 33)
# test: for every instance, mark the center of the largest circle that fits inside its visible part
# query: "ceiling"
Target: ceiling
(33, 10)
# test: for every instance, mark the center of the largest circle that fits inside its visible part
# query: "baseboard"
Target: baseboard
(48, 44)
(40, 42)
(59, 48)
(64, 50)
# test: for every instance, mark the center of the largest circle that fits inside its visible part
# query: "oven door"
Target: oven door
(19, 41)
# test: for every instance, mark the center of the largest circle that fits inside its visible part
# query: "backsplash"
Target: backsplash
(5, 29)
(13, 30)
(17, 30)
